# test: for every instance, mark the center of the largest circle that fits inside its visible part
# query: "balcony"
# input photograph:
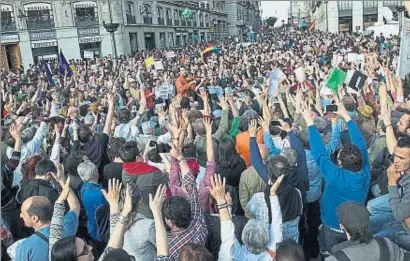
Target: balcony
(34, 24)
(189, 23)
(169, 21)
(161, 21)
(183, 23)
(147, 20)
(201, 24)
(131, 19)
(207, 25)
(82, 21)
(194, 24)
(176, 22)
(8, 26)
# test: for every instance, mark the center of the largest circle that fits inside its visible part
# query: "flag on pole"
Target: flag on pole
(404, 58)
(63, 65)
(47, 71)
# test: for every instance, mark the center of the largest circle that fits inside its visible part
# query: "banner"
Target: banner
(149, 61)
(404, 60)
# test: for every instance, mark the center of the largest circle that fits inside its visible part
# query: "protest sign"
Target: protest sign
(336, 78)
(352, 57)
(170, 54)
(149, 61)
(158, 65)
(88, 55)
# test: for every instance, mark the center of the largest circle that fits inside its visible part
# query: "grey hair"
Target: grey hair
(255, 236)
(199, 127)
(87, 170)
(290, 155)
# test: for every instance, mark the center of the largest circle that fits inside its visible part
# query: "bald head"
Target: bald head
(263, 151)
(39, 206)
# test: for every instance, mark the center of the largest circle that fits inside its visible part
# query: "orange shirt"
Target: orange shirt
(242, 145)
(182, 85)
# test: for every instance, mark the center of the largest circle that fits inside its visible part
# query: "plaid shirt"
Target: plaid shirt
(197, 231)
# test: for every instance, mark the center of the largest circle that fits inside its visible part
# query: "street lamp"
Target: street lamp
(112, 28)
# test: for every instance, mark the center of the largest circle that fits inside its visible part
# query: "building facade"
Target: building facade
(347, 16)
(39, 29)
(244, 17)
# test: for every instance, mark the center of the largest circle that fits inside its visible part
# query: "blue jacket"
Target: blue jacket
(341, 185)
(97, 210)
(315, 179)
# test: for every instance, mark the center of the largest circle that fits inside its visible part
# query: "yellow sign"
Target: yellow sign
(149, 61)
(211, 29)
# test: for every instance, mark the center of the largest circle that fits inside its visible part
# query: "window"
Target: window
(345, 5)
(392, 3)
(8, 24)
(146, 10)
(369, 20)
(39, 16)
(160, 12)
(168, 14)
(370, 4)
(129, 13)
(86, 14)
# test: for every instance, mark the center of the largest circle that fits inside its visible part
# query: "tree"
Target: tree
(271, 20)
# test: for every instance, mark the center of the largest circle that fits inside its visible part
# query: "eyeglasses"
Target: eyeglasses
(85, 251)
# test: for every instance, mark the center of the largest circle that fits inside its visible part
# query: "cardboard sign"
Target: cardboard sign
(158, 65)
(357, 81)
(352, 57)
(170, 54)
(149, 61)
(88, 55)
(164, 91)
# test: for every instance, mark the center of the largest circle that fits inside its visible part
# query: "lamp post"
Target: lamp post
(327, 18)
(112, 28)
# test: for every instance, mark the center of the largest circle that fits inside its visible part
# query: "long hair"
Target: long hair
(228, 156)
(64, 250)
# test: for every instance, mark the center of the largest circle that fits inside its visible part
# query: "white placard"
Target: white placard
(337, 58)
(170, 54)
(352, 57)
(88, 55)
(300, 74)
(164, 91)
(158, 65)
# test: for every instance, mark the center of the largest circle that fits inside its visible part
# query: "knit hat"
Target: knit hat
(352, 215)
(366, 111)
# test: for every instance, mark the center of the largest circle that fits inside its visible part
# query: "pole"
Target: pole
(327, 19)
(291, 13)
(114, 45)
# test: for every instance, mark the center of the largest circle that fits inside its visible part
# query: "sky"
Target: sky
(275, 8)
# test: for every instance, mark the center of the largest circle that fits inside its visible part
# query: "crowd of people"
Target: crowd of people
(243, 153)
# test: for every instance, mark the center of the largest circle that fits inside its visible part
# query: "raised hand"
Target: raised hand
(253, 124)
(208, 125)
(217, 189)
(113, 194)
(284, 125)
(155, 204)
(276, 185)
(59, 176)
(127, 208)
(15, 132)
(264, 123)
(65, 192)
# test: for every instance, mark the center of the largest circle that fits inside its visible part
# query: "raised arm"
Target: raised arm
(256, 158)
(110, 115)
(275, 228)
(155, 205)
(223, 126)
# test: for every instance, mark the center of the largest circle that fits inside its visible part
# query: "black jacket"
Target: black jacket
(37, 187)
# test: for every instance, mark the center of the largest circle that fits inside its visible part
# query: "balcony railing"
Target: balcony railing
(34, 24)
(176, 22)
(201, 24)
(183, 23)
(147, 20)
(131, 19)
(169, 21)
(86, 21)
(194, 24)
(8, 26)
(189, 23)
(161, 21)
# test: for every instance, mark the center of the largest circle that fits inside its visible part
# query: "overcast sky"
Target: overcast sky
(275, 8)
